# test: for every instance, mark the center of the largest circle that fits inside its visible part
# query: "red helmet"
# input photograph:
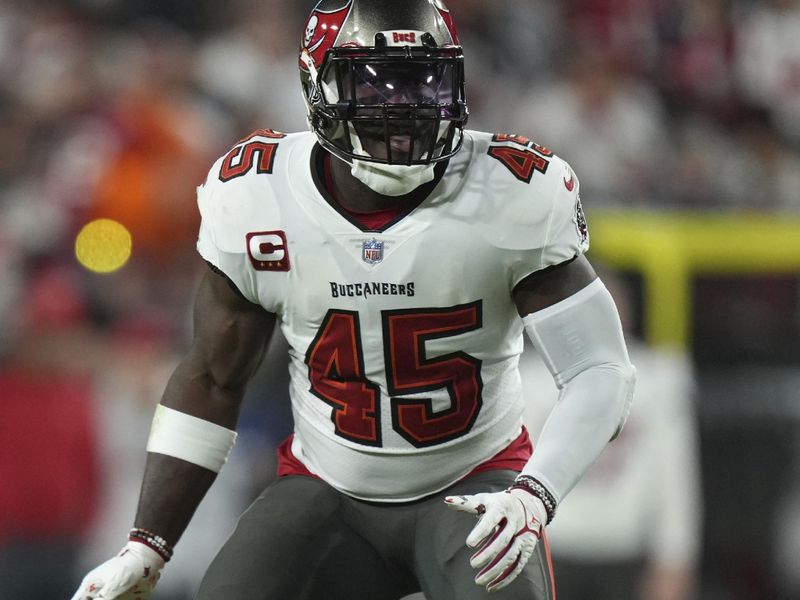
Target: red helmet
(384, 81)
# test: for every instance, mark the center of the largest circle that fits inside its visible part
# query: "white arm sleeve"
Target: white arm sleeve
(581, 342)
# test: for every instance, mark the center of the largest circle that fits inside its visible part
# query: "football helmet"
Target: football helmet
(384, 81)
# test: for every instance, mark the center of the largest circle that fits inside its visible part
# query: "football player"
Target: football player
(403, 257)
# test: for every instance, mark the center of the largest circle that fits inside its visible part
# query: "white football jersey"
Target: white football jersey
(404, 342)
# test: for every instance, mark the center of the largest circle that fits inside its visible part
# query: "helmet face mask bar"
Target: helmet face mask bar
(388, 103)
(392, 105)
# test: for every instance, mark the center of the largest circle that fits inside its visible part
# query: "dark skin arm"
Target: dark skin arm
(230, 336)
(548, 286)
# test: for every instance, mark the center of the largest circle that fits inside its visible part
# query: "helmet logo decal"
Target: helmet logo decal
(316, 41)
(309, 35)
(310, 29)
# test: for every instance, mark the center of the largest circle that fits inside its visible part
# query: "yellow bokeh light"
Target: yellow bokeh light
(103, 245)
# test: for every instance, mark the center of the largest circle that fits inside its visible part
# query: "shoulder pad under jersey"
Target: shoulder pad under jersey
(534, 197)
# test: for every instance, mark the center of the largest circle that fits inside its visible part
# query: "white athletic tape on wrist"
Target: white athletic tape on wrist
(189, 438)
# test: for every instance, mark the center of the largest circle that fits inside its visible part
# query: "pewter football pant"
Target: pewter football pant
(303, 540)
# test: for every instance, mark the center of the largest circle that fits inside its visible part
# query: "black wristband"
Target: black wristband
(535, 487)
(155, 542)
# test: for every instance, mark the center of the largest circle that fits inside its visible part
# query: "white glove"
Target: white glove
(509, 525)
(130, 575)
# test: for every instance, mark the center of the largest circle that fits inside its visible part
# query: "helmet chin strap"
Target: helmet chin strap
(389, 180)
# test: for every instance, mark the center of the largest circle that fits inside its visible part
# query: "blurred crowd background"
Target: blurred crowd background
(116, 109)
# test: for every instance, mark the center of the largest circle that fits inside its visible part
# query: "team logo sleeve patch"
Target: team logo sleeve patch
(581, 225)
(268, 250)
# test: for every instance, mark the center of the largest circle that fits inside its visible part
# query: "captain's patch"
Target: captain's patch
(268, 251)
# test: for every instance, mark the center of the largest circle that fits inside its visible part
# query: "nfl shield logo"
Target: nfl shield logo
(372, 251)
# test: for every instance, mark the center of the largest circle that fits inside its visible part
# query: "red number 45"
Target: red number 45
(335, 362)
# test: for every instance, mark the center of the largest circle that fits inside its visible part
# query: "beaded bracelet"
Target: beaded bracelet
(155, 542)
(532, 485)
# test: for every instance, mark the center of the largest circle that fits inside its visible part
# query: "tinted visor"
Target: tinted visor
(402, 111)
(406, 83)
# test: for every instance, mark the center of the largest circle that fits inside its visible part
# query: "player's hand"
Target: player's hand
(509, 526)
(130, 575)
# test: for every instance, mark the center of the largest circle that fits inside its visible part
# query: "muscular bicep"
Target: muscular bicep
(553, 284)
(230, 336)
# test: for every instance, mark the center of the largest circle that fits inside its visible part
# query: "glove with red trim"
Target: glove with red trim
(509, 526)
(130, 575)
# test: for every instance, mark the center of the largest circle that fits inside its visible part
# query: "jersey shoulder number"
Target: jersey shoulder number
(234, 195)
(252, 151)
(520, 155)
